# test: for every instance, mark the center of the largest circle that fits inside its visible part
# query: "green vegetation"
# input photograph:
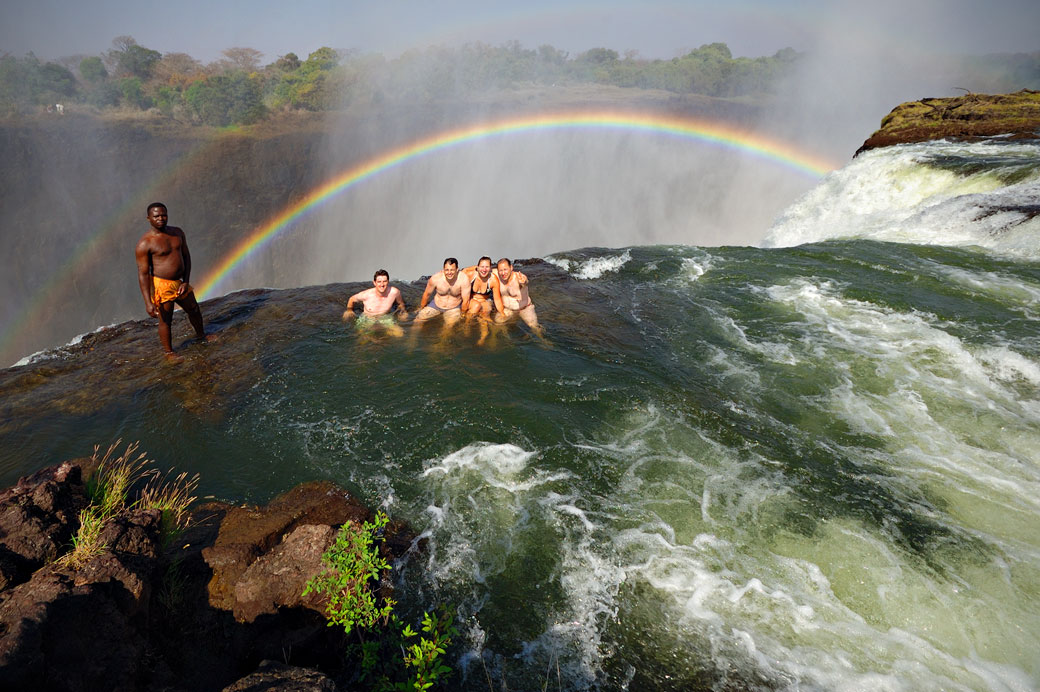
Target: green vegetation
(393, 657)
(109, 491)
(238, 90)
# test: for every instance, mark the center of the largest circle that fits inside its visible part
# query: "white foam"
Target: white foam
(891, 194)
(592, 268)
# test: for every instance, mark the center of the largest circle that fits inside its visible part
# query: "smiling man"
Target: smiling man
(450, 293)
(377, 303)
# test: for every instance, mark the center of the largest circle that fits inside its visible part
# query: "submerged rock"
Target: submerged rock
(964, 117)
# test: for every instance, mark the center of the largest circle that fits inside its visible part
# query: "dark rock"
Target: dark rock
(224, 597)
(248, 532)
(38, 517)
(277, 677)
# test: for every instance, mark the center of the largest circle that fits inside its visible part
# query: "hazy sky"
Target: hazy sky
(56, 28)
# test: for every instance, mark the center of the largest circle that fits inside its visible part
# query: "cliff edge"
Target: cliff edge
(963, 117)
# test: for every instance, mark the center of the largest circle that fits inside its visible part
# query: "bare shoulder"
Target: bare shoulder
(147, 241)
(394, 291)
(174, 230)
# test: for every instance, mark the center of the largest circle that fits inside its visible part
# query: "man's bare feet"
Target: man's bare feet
(172, 357)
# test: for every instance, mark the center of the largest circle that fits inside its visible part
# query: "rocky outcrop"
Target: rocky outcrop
(200, 614)
(247, 533)
(37, 519)
(970, 116)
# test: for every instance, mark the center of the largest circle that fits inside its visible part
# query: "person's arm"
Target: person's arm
(521, 278)
(465, 296)
(402, 311)
(496, 293)
(425, 295)
(186, 259)
(349, 312)
(144, 278)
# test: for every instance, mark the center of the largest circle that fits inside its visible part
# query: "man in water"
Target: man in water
(163, 270)
(450, 293)
(511, 297)
(377, 302)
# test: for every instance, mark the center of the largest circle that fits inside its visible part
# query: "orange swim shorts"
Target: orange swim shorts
(165, 290)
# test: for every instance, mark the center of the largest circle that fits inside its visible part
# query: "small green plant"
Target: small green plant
(394, 658)
(351, 562)
(403, 660)
(109, 487)
(425, 657)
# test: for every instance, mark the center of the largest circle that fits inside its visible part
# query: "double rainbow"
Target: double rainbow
(706, 132)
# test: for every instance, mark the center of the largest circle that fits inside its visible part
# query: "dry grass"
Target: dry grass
(110, 490)
(172, 498)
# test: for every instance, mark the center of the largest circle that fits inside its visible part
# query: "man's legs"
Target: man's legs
(190, 306)
(165, 320)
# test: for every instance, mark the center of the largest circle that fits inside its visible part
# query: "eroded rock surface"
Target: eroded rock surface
(970, 116)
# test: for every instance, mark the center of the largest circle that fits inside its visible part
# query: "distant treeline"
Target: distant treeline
(239, 90)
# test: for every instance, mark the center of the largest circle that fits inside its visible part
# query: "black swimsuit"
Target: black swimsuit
(487, 287)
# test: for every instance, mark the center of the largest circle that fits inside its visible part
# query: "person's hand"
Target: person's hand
(348, 314)
(152, 308)
(182, 289)
(521, 278)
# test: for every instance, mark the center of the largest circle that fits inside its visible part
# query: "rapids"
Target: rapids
(806, 466)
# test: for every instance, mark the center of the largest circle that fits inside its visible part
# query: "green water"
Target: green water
(806, 468)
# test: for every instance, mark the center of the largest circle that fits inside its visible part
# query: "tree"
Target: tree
(288, 62)
(176, 69)
(131, 59)
(133, 93)
(93, 70)
(245, 59)
(226, 99)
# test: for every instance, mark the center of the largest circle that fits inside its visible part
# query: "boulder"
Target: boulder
(38, 517)
(248, 532)
(81, 629)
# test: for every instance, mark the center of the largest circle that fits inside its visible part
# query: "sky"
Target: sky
(203, 28)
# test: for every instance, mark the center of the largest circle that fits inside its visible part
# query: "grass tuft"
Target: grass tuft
(172, 498)
(109, 490)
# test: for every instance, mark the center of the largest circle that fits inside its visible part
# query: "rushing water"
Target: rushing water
(811, 466)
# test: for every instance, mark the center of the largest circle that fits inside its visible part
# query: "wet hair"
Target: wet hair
(504, 259)
(381, 272)
(485, 257)
(450, 260)
(153, 205)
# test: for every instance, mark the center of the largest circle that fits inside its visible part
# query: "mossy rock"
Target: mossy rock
(967, 117)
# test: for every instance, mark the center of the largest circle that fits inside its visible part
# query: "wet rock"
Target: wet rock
(246, 533)
(136, 616)
(278, 579)
(277, 677)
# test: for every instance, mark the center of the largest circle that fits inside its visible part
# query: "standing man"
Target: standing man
(163, 269)
(377, 302)
(450, 294)
(511, 297)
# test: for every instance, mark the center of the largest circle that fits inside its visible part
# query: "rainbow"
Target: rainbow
(702, 131)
